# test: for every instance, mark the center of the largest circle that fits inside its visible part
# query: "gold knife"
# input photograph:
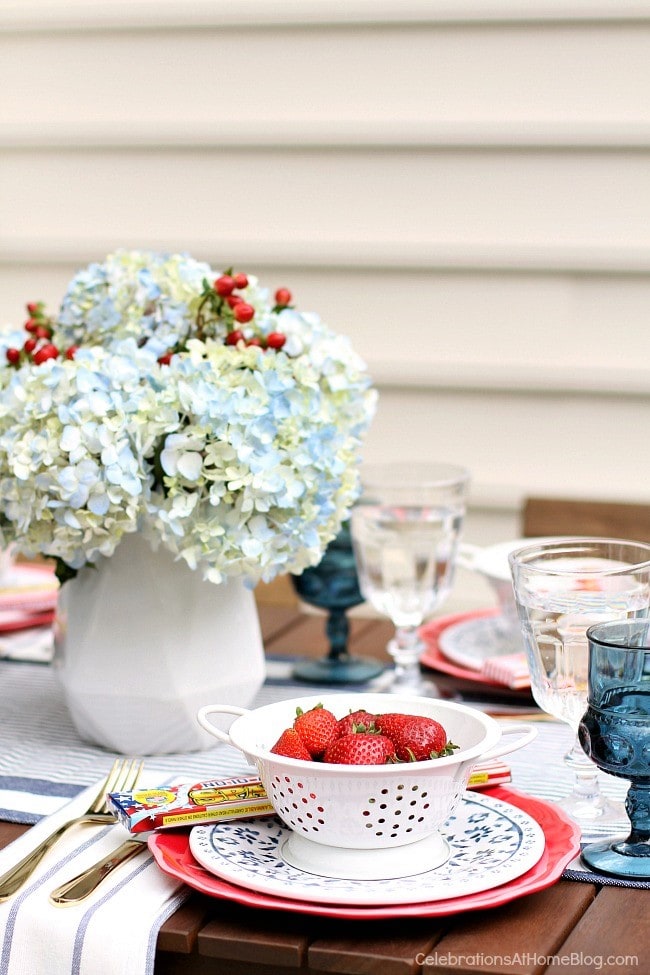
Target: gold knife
(79, 887)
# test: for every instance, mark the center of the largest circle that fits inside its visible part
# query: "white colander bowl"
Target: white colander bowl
(342, 816)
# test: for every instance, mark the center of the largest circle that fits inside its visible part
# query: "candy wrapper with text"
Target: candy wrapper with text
(188, 804)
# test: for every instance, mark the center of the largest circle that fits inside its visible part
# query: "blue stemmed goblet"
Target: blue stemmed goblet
(333, 585)
(615, 733)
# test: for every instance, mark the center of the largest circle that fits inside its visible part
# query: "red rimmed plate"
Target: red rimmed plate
(12, 620)
(434, 658)
(172, 853)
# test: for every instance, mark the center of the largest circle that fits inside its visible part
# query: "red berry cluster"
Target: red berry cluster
(38, 346)
(222, 303)
(362, 738)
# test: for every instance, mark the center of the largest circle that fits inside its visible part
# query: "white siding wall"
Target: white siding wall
(462, 187)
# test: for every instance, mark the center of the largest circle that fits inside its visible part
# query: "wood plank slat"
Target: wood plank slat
(171, 963)
(10, 831)
(371, 640)
(274, 621)
(386, 949)
(179, 933)
(617, 924)
(606, 519)
(255, 937)
(511, 940)
(308, 638)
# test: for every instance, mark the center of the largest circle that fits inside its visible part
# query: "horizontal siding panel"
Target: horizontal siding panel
(387, 200)
(557, 447)
(223, 82)
(324, 134)
(563, 379)
(80, 14)
(320, 253)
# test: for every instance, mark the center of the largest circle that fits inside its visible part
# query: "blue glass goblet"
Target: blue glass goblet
(615, 733)
(333, 585)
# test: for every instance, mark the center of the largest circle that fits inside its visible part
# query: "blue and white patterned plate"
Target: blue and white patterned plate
(491, 843)
(469, 643)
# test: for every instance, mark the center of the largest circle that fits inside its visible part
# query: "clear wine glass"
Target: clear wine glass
(405, 533)
(562, 587)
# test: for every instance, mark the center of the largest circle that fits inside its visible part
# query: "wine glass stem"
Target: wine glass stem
(637, 806)
(586, 783)
(337, 629)
(405, 649)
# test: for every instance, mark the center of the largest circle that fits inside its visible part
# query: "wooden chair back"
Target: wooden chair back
(599, 519)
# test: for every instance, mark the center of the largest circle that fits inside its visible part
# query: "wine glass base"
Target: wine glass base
(342, 670)
(418, 686)
(603, 858)
(595, 815)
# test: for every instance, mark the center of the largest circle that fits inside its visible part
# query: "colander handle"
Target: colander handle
(527, 731)
(202, 718)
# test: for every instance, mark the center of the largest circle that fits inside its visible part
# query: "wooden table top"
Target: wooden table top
(575, 927)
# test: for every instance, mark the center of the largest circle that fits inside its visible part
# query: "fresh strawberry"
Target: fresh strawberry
(421, 738)
(317, 729)
(355, 721)
(391, 723)
(291, 745)
(360, 748)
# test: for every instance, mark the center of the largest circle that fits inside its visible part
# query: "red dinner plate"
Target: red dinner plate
(433, 656)
(171, 851)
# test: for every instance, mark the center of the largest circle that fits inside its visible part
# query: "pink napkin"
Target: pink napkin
(511, 670)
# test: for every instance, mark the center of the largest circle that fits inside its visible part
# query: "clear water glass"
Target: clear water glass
(405, 533)
(562, 588)
(615, 734)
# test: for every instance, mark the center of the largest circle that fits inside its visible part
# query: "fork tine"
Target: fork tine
(106, 786)
(128, 775)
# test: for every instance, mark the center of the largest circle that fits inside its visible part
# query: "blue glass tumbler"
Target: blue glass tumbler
(615, 733)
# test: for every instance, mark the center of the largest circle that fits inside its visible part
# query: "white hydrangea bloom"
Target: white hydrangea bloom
(242, 462)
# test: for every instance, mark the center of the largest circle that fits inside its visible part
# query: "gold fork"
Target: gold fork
(122, 776)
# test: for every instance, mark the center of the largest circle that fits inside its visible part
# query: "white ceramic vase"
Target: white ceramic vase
(142, 642)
